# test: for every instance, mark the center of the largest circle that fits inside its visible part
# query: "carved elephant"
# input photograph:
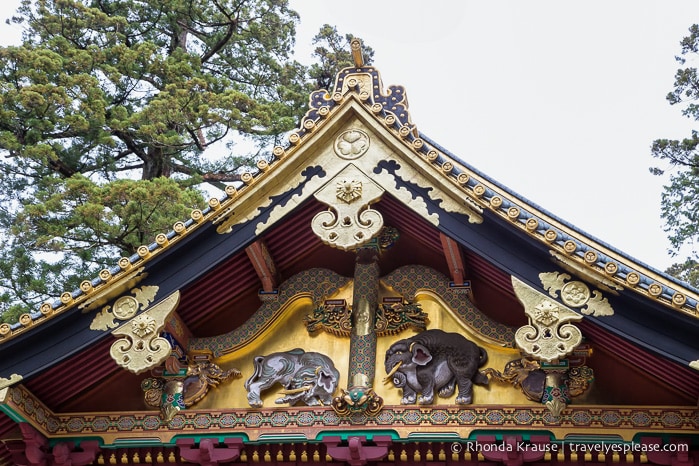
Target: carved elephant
(435, 360)
(306, 377)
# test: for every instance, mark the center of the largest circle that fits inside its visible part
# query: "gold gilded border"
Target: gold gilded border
(308, 423)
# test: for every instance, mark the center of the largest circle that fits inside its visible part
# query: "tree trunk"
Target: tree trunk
(155, 165)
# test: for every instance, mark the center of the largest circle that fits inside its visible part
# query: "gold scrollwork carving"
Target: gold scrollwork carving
(103, 320)
(598, 306)
(124, 308)
(549, 335)
(348, 224)
(14, 378)
(576, 294)
(141, 348)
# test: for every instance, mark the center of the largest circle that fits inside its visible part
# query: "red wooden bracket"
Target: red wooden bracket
(513, 451)
(34, 450)
(357, 452)
(209, 453)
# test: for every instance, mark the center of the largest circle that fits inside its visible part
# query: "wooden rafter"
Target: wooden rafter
(455, 259)
(264, 265)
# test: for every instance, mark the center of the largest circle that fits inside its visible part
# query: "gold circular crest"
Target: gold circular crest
(575, 294)
(351, 144)
(125, 307)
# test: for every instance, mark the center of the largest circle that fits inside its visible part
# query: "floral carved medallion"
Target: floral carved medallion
(348, 190)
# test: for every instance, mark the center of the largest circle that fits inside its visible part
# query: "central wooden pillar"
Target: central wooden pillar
(365, 299)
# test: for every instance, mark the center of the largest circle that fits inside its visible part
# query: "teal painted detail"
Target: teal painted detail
(593, 438)
(282, 438)
(219, 438)
(501, 434)
(137, 442)
(75, 441)
(369, 434)
(434, 437)
(12, 414)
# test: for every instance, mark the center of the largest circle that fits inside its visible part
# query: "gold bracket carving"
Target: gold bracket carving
(124, 308)
(141, 347)
(549, 336)
(351, 222)
(14, 378)
(576, 294)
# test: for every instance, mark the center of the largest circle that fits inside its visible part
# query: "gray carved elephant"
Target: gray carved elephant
(306, 377)
(435, 360)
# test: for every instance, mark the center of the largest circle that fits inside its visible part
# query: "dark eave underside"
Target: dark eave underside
(226, 296)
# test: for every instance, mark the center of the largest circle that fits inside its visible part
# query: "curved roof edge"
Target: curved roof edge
(390, 107)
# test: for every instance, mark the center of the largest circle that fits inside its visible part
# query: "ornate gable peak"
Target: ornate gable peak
(364, 83)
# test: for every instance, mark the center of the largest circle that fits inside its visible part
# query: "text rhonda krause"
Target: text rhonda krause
(605, 448)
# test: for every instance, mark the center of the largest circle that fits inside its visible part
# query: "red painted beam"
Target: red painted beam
(263, 264)
(455, 260)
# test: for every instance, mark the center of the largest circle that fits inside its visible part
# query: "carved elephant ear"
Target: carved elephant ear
(421, 355)
(326, 380)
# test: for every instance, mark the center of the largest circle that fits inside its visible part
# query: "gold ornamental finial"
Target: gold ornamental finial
(357, 54)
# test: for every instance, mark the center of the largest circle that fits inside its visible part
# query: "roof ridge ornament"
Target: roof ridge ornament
(357, 52)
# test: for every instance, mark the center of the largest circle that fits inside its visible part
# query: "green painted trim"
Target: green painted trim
(11, 413)
(434, 437)
(501, 434)
(136, 442)
(281, 438)
(369, 434)
(200, 437)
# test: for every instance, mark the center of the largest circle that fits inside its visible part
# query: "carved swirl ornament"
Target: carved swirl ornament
(350, 222)
(124, 308)
(141, 348)
(549, 335)
(576, 294)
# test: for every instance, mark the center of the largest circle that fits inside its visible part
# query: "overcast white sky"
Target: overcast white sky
(558, 100)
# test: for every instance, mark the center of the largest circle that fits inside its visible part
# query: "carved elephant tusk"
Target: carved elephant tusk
(393, 371)
(292, 391)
